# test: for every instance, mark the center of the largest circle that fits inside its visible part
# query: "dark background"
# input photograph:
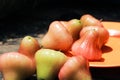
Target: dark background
(23, 17)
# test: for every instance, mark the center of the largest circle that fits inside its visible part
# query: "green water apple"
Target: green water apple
(73, 26)
(48, 63)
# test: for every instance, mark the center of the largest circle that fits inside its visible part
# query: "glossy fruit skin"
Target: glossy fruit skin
(16, 66)
(75, 68)
(92, 38)
(57, 37)
(103, 34)
(73, 26)
(48, 63)
(89, 20)
(87, 46)
(28, 46)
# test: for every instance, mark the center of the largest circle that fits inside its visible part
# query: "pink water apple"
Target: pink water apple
(16, 66)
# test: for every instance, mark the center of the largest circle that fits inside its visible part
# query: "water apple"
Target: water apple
(89, 20)
(48, 63)
(57, 37)
(28, 46)
(103, 34)
(75, 68)
(74, 27)
(16, 66)
(87, 46)
(91, 40)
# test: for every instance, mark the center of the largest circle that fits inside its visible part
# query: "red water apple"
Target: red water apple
(91, 40)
